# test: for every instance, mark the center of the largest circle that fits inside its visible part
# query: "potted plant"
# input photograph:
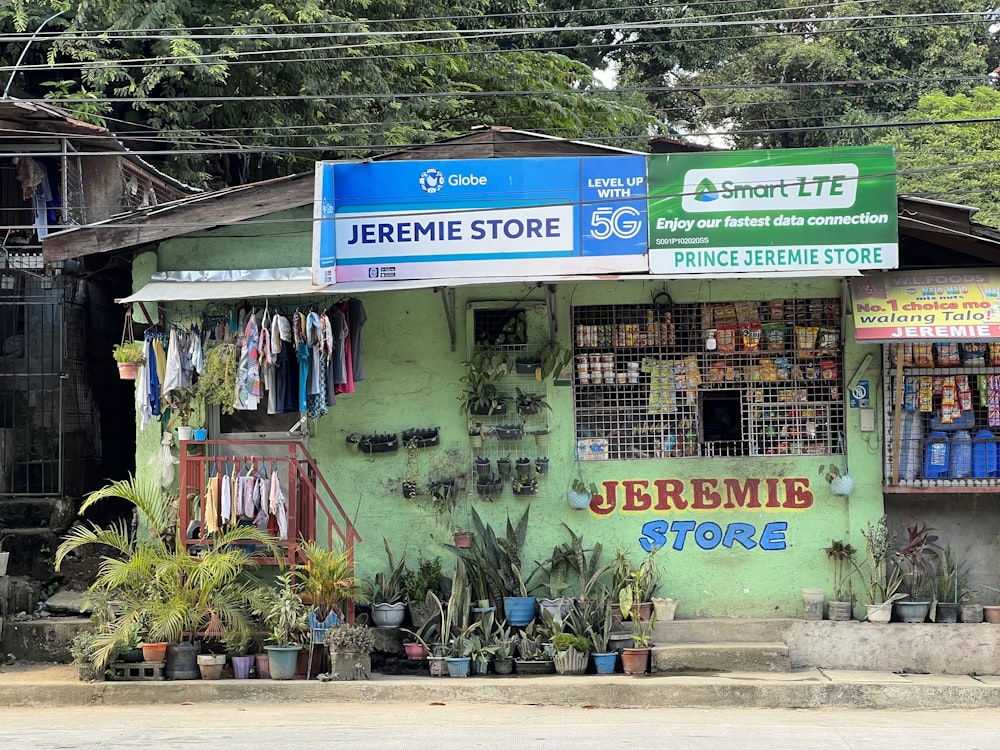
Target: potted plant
(580, 494)
(530, 403)
(503, 653)
(159, 588)
(286, 618)
(485, 370)
(882, 581)
(184, 402)
(83, 651)
(532, 657)
(842, 555)
(386, 592)
(635, 584)
(238, 642)
(950, 590)
(596, 614)
(417, 584)
(129, 355)
(840, 482)
(553, 357)
(350, 651)
(917, 563)
(328, 582)
(635, 660)
(572, 653)
(522, 486)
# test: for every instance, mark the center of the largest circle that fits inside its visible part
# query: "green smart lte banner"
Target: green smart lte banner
(794, 210)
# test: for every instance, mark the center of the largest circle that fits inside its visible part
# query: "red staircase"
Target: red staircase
(314, 513)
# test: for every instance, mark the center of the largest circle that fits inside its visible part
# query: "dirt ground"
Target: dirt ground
(32, 672)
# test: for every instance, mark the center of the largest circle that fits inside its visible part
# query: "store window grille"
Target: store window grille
(502, 328)
(709, 379)
(943, 421)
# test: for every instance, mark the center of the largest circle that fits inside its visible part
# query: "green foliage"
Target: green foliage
(347, 93)
(494, 561)
(881, 583)
(485, 370)
(351, 638)
(842, 555)
(282, 611)
(218, 380)
(427, 577)
(952, 162)
(563, 641)
(161, 590)
(387, 587)
(635, 583)
(327, 579)
(130, 351)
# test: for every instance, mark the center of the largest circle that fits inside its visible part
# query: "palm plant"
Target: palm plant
(327, 579)
(162, 591)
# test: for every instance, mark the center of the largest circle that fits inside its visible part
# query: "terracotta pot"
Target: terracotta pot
(415, 651)
(991, 612)
(154, 653)
(128, 370)
(635, 660)
(463, 539)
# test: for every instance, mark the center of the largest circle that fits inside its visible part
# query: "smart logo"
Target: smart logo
(800, 187)
(431, 180)
(706, 191)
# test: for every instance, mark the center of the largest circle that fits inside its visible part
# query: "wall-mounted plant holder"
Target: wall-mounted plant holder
(509, 432)
(527, 366)
(379, 443)
(422, 437)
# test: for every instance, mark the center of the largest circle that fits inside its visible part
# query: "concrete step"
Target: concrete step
(722, 629)
(721, 657)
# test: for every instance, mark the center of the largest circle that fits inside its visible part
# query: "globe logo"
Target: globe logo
(431, 180)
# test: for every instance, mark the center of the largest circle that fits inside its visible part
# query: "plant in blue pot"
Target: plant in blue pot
(328, 582)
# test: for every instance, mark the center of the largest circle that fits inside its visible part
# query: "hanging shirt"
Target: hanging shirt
(248, 371)
(142, 401)
(225, 496)
(174, 376)
(358, 316)
(212, 505)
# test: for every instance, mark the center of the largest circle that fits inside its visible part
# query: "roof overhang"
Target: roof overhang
(195, 286)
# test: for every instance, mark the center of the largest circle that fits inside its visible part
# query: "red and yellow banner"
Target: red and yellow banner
(947, 305)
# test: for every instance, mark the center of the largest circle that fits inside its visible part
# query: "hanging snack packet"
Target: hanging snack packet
(947, 355)
(993, 400)
(974, 355)
(925, 396)
(907, 350)
(911, 387)
(774, 336)
(923, 355)
(828, 369)
(776, 309)
(751, 333)
(994, 351)
(768, 370)
(828, 339)
(805, 340)
(949, 401)
(725, 335)
(783, 368)
(964, 392)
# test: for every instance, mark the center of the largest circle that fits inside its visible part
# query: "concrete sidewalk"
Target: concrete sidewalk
(40, 685)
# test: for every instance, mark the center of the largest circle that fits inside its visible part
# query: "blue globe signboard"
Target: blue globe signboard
(454, 218)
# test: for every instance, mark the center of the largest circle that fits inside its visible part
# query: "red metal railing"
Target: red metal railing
(309, 498)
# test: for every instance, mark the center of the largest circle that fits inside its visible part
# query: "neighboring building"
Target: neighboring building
(714, 447)
(57, 405)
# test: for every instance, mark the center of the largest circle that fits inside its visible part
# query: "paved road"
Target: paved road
(220, 726)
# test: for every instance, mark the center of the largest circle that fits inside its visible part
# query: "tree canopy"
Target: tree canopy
(300, 80)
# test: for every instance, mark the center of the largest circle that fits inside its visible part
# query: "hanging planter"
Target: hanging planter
(504, 467)
(484, 470)
(579, 494)
(475, 439)
(422, 438)
(129, 355)
(379, 443)
(541, 465)
(523, 468)
(509, 432)
(489, 488)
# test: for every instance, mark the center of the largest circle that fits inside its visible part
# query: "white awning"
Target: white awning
(181, 286)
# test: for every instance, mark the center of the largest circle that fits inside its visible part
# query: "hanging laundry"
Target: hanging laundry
(248, 371)
(142, 401)
(212, 502)
(278, 504)
(357, 315)
(225, 495)
(174, 377)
